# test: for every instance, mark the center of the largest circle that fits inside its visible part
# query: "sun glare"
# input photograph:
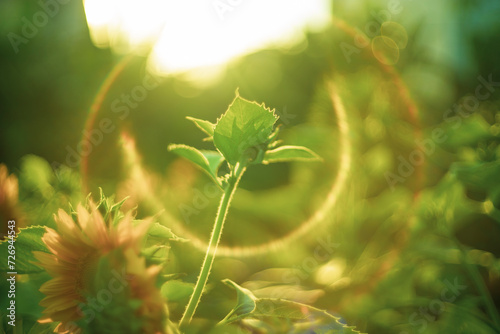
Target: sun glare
(190, 34)
(125, 25)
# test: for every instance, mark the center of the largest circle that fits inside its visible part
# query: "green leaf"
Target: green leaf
(250, 307)
(205, 126)
(242, 128)
(175, 290)
(214, 159)
(162, 232)
(290, 153)
(107, 206)
(483, 175)
(208, 161)
(37, 176)
(157, 245)
(245, 303)
(28, 297)
(28, 240)
(480, 176)
(156, 253)
(471, 131)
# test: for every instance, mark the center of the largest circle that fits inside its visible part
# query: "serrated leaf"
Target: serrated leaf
(244, 126)
(157, 245)
(208, 161)
(205, 126)
(290, 153)
(28, 240)
(162, 232)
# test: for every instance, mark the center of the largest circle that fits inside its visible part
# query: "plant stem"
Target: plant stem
(212, 246)
(489, 304)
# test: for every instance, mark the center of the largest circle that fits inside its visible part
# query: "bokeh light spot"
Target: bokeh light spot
(385, 50)
(395, 32)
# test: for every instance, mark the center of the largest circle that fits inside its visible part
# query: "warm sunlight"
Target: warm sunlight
(198, 34)
(127, 24)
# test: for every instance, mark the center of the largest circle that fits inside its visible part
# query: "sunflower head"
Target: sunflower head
(99, 275)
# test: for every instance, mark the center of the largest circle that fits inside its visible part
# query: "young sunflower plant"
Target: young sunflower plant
(243, 136)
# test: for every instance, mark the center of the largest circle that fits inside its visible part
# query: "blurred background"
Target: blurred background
(93, 92)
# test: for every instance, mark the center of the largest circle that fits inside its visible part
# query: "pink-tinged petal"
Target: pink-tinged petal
(140, 230)
(132, 235)
(99, 231)
(67, 227)
(71, 231)
(123, 232)
(59, 247)
(64, 253)
(58, 244)
(52, 264)
(83, 217)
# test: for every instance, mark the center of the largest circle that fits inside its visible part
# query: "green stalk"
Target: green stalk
(489, 304)
(225, 201)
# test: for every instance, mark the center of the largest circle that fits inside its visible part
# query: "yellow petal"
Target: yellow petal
(58, 285)
(58, 303)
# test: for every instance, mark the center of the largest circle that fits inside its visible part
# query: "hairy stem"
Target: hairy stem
(212, 246)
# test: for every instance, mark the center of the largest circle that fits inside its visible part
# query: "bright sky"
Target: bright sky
(190, 34)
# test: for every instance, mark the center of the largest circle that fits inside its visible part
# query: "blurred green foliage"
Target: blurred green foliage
(420, 256)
